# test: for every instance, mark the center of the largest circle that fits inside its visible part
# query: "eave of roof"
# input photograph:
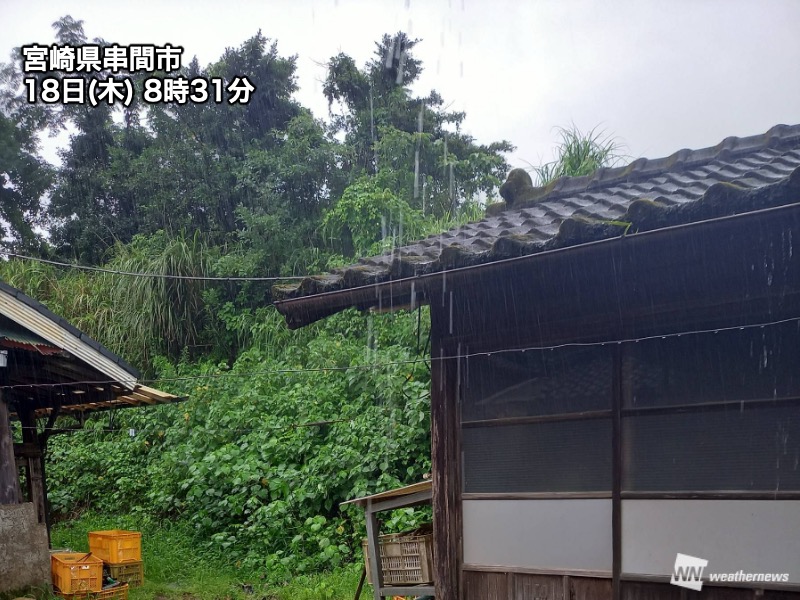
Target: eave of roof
(414, 488)
(39, 320)
(14, 336)
(140, 395)
(737, 176)
(89, 376)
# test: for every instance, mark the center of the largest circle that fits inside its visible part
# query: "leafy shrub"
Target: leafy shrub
(260, 455)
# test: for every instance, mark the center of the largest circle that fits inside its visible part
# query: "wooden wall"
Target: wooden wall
(733, 273)
(521, 586)
(480, 585)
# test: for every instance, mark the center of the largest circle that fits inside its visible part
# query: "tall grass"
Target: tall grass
(161, 315)
(578, 154)
(136, 317)
(175, 569)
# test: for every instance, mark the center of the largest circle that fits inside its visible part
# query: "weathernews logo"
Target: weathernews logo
(688, 573)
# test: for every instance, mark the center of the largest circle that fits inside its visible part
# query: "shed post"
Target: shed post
(9, 478)
(446, 461)
(373, 533)
(36, 483)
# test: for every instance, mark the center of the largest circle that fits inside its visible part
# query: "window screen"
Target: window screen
(534, 383)
(561, 456)
(743, 448)
(733, 365)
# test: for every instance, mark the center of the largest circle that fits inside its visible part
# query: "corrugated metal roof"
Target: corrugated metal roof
(77, 374)
(26, 301)
(737, 176)
(12, 335)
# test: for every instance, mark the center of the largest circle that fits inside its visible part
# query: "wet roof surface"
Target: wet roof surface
(688, 186)
(62, 322)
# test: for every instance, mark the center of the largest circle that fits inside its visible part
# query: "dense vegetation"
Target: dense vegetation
(278, 427)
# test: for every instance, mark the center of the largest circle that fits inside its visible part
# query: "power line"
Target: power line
(320, 423)
(286, 427)
(372, 366)
(150, 275)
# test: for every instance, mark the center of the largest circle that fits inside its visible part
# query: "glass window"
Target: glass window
(561, 456)
(748, 364)
(535, 383)
(743, 447)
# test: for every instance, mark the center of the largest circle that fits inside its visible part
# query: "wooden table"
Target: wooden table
(410, 495)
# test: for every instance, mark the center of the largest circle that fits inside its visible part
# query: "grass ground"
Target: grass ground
(175, 571)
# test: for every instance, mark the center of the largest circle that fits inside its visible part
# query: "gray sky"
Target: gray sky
(660, 75)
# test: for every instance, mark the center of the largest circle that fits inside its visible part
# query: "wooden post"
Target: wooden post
(36, 464)
(9, 477)
(374, 549)
(446, 460)
(616, 489)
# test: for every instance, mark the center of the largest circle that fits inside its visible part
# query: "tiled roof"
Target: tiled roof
(688, 186)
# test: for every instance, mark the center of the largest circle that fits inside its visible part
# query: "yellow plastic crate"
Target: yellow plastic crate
(116, 545)
(76, 572)
(131, 573)
(116, 593)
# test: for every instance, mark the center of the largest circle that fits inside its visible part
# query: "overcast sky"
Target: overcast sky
(659, 75)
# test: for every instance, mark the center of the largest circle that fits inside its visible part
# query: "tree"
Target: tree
(414, 144)
(192, 167)
(24, 179)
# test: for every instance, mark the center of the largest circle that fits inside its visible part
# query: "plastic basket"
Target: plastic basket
(76, 572)
(116, 545)
(116, 593)
(131, 573)
(405, 558)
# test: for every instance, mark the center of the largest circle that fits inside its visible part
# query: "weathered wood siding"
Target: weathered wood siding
(445, 458)
(523, 586)
(480, 585)
(537, 587)
(485, 586)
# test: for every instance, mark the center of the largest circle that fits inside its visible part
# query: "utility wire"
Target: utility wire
(124, 429)
(372, 366)
(150, 275)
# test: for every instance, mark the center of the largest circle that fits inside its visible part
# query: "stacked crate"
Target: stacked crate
(121, 551)
(76, 572)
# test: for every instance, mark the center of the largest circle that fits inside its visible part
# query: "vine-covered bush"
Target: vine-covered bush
(260, 455)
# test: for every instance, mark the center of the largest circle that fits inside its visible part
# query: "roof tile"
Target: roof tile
(688, 185)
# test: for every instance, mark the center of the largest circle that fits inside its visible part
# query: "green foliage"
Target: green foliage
(240, 462)
(369, 220)
(24, 178)
(579, 154)
(162, 315)
(137, 317)
(413, 144)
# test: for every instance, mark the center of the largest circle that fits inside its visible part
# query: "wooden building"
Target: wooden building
(616, 377)
(48, 368)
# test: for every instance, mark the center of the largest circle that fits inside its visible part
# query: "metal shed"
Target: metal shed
(47, 368)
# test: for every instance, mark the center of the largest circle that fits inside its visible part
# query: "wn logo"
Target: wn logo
(688, 572)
